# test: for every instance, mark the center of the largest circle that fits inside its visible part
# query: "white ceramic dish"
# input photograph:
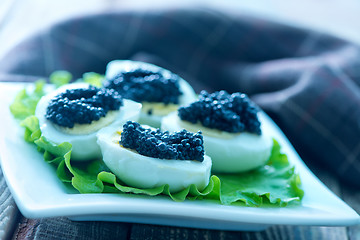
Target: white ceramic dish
(39, 193)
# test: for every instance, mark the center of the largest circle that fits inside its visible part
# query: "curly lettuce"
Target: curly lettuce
(60, 78)
(275, 184)
(92, 78)
(25, 102)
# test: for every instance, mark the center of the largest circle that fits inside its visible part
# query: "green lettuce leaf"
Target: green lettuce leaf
(93, 78)
(275, 184)
(32, 129)
(60, 78)
(25, 103)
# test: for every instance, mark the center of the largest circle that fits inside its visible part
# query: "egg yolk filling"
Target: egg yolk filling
(211, 132)
(159, 109)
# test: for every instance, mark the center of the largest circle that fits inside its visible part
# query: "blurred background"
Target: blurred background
(19, 19)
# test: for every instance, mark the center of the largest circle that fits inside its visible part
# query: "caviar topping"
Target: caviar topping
(182, 145)
(82, 106)
(142, 85)
(232, 113)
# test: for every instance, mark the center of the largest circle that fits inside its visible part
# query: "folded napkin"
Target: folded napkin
(307, 81)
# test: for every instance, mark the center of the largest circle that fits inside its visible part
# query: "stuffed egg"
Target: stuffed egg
(234, 137)
(74, 113)
(144, 157)
(159, 90)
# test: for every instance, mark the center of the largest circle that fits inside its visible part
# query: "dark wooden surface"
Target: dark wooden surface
(19, 19)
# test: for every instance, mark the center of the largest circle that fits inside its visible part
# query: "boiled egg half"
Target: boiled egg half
(230, 152)
(82, 137)
(148, 172)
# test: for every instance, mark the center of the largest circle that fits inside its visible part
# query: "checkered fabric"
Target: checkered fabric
(307, 81)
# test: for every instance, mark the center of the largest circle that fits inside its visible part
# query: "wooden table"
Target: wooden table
(19, 19)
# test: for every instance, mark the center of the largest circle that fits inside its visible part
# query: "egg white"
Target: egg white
(159, 110)
(147, 172)
(84, 146)
(230, 152)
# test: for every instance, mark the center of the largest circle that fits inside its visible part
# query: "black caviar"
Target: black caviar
(181, 145)
(142, 85)
(82, 105)
(232, 113)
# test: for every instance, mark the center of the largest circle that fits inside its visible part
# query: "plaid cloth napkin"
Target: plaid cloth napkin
(307, 81)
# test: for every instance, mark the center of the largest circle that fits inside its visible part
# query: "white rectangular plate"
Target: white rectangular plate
(39, 193)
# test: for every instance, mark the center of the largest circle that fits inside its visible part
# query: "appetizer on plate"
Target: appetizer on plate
(159, 90)
(144, 157)
(74, 113)
(80, 122)
(233, 136)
